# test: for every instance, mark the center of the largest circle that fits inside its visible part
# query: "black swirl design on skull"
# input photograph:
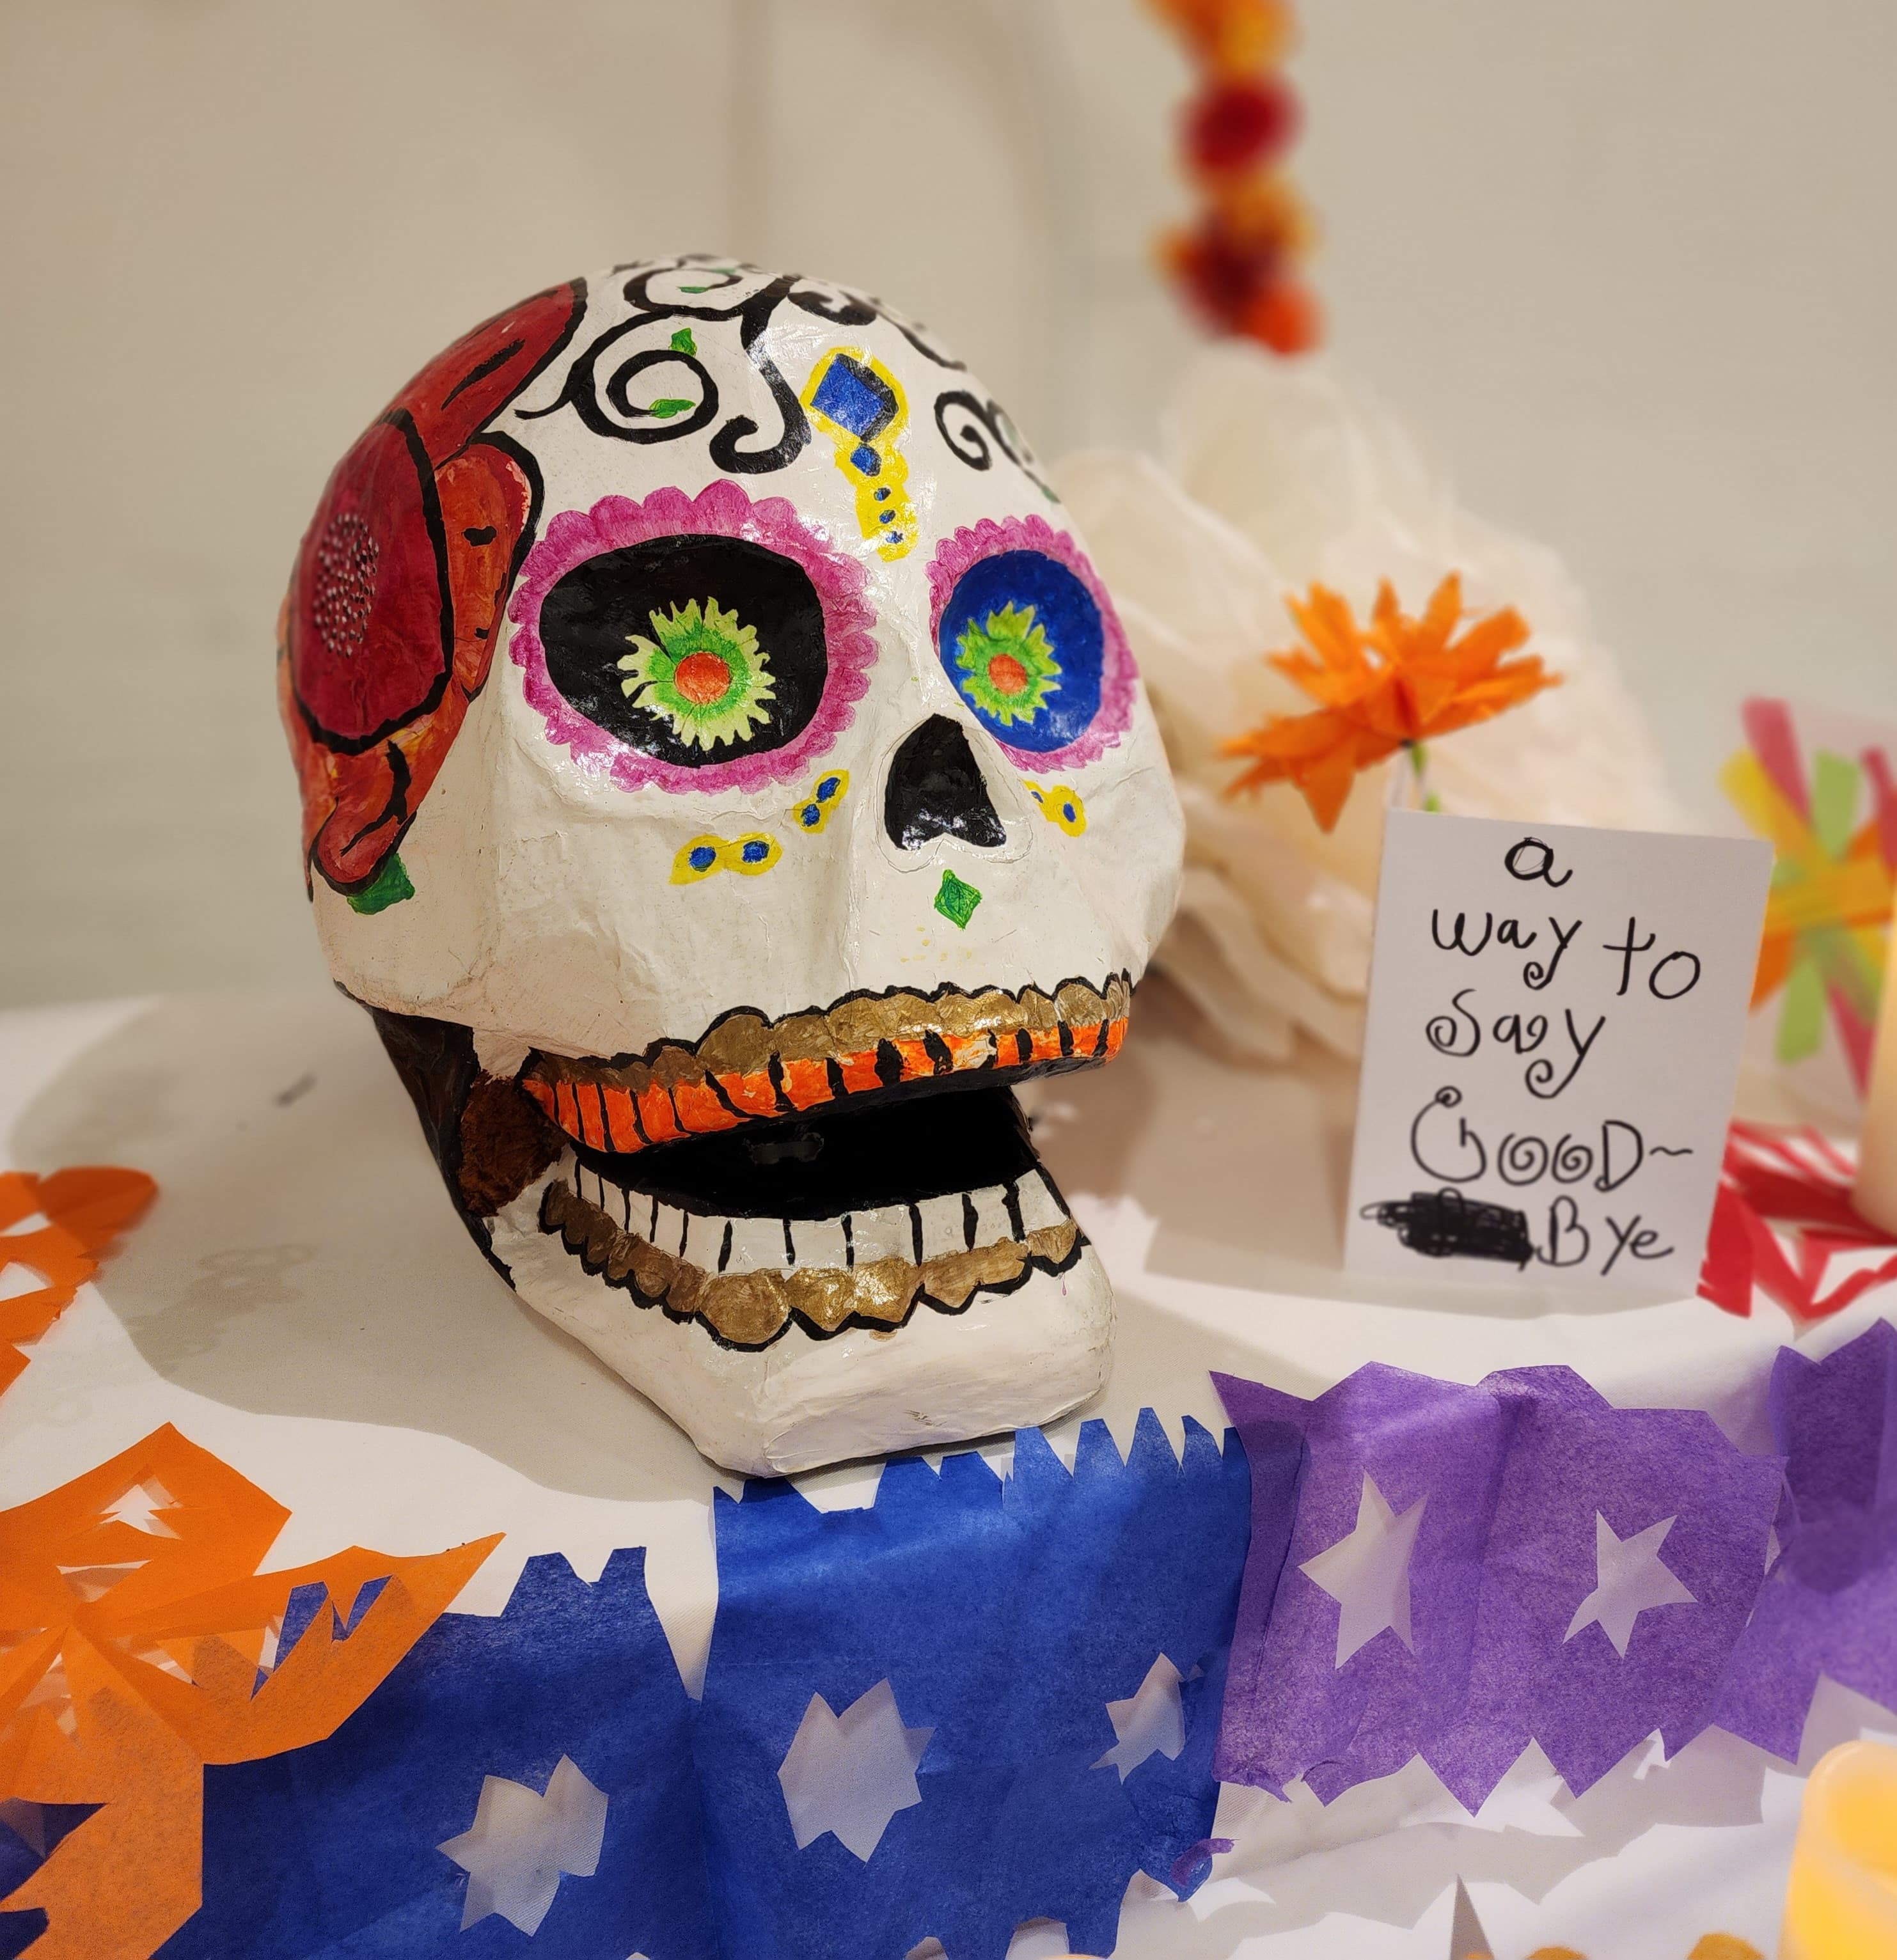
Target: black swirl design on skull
(981, 427)
(600, 385)
(663, 421)
(842, 307)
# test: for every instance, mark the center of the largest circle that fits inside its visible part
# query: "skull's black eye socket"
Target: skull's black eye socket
(693, 650)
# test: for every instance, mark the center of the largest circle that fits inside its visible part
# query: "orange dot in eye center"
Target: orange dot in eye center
(1006, 675)
(701, 678)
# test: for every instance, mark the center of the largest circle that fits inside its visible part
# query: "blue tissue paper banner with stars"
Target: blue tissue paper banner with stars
(548, 1746)
(1006, 1616)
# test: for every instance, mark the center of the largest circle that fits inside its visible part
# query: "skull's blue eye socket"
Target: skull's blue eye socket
(703, 857)
(1028, 637)
(1022, 640)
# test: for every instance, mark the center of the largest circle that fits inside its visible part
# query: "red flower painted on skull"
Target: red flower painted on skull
(388, 627)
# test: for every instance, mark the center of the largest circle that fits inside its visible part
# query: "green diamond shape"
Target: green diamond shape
(957, 900)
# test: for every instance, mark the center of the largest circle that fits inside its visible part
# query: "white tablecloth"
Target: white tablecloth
(302, 1301)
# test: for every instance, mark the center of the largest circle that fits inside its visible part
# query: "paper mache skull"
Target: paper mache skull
(724, 776)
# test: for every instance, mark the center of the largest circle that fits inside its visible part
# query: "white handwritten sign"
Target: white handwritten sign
(1555, 1017)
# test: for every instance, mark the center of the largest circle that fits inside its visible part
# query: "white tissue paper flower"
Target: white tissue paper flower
(1277, 474)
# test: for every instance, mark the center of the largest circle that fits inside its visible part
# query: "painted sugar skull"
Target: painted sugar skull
(723, 776)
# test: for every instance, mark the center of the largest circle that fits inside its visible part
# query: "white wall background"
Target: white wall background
(1630, 265)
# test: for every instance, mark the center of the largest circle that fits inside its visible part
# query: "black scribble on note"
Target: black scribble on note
(1661, 1150)
(1446, 1225)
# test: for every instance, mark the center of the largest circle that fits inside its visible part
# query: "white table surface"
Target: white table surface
(302, 1301)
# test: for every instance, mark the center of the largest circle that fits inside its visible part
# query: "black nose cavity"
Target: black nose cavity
(935, 790)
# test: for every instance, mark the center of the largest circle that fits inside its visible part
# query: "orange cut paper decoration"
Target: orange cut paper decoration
(1397, 682)
(141, 1645)
(84, 1209)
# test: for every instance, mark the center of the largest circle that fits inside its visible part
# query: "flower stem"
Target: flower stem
(1418, 755)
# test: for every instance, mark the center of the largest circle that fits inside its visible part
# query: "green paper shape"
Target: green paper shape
(669, 405)
(683, 343)
(1834, 801)
(1844, 966)
(1801, 1022)
(956, 901)
(390, 887)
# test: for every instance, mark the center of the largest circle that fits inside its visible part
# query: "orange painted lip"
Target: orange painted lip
(748, 1069)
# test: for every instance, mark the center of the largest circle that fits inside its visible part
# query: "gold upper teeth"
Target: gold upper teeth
(748, 1068)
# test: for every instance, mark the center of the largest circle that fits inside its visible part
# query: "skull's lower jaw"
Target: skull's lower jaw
(894, 1279)
(1007, 1361)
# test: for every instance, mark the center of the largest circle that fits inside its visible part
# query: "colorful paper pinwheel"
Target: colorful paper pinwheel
(1828, 916)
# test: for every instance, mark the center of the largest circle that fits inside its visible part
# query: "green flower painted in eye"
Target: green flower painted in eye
(706, 674)
(1009, 668)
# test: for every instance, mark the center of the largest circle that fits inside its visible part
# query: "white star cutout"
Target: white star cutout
(139, 1508)
(1628, 1579)
(1368, 1574)
(520, 1844)
(54, 1691)
(1149, 1722)
(94, 1582)
(850, 1774)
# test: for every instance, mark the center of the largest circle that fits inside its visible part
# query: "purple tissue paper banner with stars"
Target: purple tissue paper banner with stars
(1471, 1569)
(1830, 1606)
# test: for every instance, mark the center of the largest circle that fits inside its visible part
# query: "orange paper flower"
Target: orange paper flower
(140, 1644)
(1398, 683)
(84, 1209)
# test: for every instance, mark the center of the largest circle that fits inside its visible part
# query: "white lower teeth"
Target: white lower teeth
(929, 1229)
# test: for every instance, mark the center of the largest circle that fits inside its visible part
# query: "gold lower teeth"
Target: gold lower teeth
(752, 1309)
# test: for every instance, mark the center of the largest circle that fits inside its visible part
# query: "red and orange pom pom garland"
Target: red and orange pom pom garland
(1238, 261)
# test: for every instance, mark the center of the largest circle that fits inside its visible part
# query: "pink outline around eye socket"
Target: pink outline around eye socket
(722, 509)
(954, 556)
